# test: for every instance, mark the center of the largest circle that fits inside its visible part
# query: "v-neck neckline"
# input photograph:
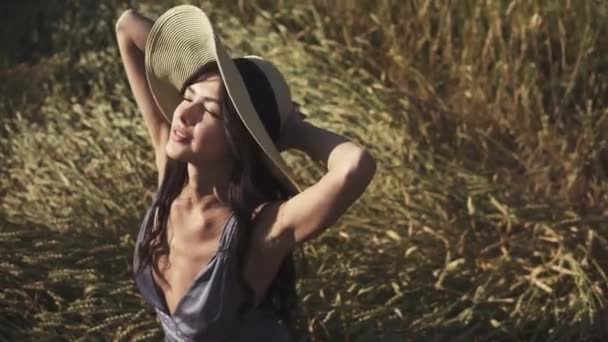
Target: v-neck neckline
(159, 291)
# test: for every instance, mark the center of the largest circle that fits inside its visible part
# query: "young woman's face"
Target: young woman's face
(199, 117)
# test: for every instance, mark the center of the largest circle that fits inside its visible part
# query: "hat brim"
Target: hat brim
(181, 41)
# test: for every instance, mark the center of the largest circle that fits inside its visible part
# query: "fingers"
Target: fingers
(296, 106)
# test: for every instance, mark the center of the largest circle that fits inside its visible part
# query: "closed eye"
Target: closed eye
(205, 109)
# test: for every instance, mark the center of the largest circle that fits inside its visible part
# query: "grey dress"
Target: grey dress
(208, 309)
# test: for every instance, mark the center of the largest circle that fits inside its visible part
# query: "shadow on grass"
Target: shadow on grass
(587, 329)
(66, 286)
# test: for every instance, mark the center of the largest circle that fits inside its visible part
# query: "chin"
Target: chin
(177, 153)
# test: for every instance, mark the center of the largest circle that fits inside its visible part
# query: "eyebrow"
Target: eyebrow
(205, 98)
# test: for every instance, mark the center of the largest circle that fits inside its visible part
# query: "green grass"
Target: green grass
(486, 219)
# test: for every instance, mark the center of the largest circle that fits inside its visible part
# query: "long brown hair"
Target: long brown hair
(250, 184)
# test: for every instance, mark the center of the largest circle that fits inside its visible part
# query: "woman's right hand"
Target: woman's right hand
(133, 26)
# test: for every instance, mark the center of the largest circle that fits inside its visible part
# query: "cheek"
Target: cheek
(210, 138)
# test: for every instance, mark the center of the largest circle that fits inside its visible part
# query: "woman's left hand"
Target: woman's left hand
(290, 128)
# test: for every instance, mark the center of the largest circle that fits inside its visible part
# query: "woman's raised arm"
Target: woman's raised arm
(132, 31)
(350, 170)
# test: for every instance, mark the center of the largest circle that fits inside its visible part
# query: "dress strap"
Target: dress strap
(228, 232)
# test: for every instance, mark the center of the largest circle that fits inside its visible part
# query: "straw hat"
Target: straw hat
(181, 41)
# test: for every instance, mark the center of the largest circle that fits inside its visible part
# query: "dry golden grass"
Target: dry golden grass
(486, 219)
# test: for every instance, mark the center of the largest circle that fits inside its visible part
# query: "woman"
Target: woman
(214, 251)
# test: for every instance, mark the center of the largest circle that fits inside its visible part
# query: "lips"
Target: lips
(180, 136)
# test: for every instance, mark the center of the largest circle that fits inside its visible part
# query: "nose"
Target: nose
(187, 115)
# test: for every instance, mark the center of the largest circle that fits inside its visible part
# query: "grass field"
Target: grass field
(487, 218)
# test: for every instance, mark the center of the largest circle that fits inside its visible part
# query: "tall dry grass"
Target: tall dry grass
(486, 219)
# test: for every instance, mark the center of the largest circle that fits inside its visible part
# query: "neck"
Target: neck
(207, 185)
